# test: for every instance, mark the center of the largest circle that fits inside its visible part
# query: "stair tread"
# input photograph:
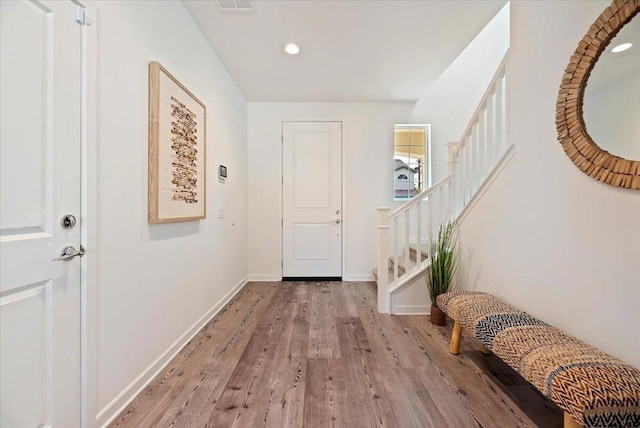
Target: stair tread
(389, 273)
(402, 264)
(413, 250)
(401, 269)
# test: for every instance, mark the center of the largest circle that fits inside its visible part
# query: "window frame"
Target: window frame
(426, 180)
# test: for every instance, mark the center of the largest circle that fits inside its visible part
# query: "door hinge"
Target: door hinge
(282, 222)
(81, 15)
(281, 138)
(281, 263)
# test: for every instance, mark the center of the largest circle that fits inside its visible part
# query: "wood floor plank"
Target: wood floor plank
(214, 372)
(323, 342)
(412, 403)
(216, 343)
(384, 331)
(541, 411)
(364, 379)
(344, 305)
(379, 337)
(288, 370)
(238, 401)
(482, 400)
(267, 386)
(327, 400)
(318, 354)
(239, 396)
(301, 291)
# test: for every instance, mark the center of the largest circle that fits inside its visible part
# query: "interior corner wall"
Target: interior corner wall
(545, 236)
(155, 282)
(453, 98)
(368, 179)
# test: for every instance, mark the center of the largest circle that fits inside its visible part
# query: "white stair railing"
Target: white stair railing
(483, 142)
(407, 228)
(472, 160)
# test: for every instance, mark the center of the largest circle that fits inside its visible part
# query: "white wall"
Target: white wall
(156, 281)
(450, 102)
(545, 236)
(611, 117)
(368, 148)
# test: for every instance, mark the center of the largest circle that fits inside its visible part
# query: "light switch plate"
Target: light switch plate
(220, 212)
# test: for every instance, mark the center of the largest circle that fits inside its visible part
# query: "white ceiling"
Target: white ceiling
(351, 50)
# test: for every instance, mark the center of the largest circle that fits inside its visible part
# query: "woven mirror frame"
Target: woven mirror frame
(572, 134)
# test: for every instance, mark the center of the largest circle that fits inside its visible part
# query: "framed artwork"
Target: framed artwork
(177, 157)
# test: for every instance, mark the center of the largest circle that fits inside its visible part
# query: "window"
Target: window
(411, 160)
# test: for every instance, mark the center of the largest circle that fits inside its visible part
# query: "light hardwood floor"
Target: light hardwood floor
(318, 354)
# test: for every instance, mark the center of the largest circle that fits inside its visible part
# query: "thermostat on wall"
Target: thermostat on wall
(222, 171)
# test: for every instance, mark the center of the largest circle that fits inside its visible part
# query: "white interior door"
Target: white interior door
(40, 89)
(312, 199)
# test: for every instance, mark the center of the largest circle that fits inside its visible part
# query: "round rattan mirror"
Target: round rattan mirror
(572, 133)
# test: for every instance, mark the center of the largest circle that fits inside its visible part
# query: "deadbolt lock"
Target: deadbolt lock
(68, 221)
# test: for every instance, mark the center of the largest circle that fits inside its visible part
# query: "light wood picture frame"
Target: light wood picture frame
(177, 150)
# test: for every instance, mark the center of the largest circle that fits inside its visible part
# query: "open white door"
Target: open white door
(40, 89)
(312, 199)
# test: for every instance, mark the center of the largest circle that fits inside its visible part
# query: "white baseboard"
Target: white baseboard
(275, 278)
(411, 310)
(362, 277)
(122, 400)
(264, 278)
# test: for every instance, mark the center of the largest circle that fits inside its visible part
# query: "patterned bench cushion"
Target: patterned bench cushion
(597, 389)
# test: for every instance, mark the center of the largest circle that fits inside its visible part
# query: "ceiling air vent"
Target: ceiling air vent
(236, 5)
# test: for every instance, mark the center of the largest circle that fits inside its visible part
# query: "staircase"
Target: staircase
(474, 162)
(402, 265)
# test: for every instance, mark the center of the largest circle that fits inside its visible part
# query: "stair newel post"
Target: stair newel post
(383, 260)
(453, 184)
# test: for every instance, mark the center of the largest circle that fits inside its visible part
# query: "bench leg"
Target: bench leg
(484, 350)
(569, 422)
(455, 339)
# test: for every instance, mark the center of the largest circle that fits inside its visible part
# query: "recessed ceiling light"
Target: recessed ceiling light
(621, 48)
(291, 49)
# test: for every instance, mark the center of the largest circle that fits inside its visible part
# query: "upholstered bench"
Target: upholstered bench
(594, 389)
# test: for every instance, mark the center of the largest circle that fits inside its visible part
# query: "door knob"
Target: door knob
(68, 253)
(337, 221)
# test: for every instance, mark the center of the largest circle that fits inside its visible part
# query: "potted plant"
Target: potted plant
(444, 257)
